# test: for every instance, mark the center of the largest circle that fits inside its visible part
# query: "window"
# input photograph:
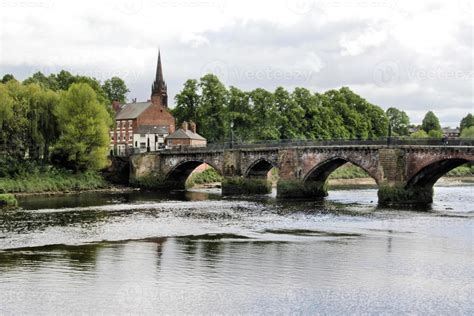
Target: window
(131, 137)
(142, 145)
(130, 124)
(124, 138)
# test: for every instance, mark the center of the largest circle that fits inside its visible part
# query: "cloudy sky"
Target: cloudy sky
(414, 55)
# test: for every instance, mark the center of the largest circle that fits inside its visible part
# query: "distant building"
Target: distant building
(451, 132)
(149, 138)
(186, 137)
(412, 130)
(143, 125)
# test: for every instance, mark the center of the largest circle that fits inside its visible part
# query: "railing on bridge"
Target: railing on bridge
(385, 141)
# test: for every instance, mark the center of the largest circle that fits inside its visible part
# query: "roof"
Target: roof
(182, 134)
(451, 130)
(152, 129)
(132, 110)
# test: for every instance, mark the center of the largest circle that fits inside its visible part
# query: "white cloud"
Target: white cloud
(413, 55)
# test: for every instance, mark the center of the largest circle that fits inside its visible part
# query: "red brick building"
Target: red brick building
(143, 125)
(186, 137)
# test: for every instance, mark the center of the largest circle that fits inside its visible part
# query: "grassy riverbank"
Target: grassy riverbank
(52, 180)
(207, 176)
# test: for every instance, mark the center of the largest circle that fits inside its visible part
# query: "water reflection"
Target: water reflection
(198, 253)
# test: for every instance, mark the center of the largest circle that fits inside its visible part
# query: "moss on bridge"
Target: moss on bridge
(239, 185)
(400, 195)
(301, 189)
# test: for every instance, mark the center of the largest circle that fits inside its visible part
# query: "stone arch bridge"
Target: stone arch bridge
(404, 172)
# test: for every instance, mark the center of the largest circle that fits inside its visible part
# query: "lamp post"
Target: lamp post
(231, 134)
(389, 139)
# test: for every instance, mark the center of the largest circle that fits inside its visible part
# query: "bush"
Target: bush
(8, 200)
(348, 171)
(466, 170)
(48, 179)
(207, 176)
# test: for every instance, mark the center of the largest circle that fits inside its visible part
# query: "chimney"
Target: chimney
(193, 127)
(116, 106)
(184, 126)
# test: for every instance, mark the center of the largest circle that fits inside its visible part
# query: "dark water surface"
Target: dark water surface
(200, 253)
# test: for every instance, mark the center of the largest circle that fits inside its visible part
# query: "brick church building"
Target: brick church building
(143, 126)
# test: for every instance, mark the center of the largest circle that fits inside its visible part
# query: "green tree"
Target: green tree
(435, 133)
(430, 122)
(115, 89)
(419, 134)
(6, 118)
(266, 117)
(240, 113)
(16, 129)
(399, 121)
(7, 78)
(291, 115)
(345, 106)
(468, 132)
(65, 79)
(212, 110)
(187, 103)
(84, 129)
(48, 82)
(331, 124)
(466, 122)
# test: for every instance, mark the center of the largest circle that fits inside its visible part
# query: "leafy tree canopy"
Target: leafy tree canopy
(430, 122)
(466, 122)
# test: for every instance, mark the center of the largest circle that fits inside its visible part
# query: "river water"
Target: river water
(200, 253)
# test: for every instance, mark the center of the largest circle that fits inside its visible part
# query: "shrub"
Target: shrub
(207, 176)
(8, 200)
(239, 185)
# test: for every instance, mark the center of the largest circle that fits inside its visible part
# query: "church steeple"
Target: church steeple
(159, 90)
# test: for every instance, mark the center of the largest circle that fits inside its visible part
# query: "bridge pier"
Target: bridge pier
(240, 185)
(300, 189)
(399, 194)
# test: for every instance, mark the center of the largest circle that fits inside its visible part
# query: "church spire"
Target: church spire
(159, 88)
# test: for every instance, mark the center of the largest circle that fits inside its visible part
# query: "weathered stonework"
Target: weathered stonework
(403, 173)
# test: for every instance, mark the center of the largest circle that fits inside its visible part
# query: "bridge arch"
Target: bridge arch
(259, 168)
(428, 174)
(177, 176)
(321, 171)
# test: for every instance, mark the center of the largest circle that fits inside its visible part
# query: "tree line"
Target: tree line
(64, 119)
(265, 115)
(61, 119)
